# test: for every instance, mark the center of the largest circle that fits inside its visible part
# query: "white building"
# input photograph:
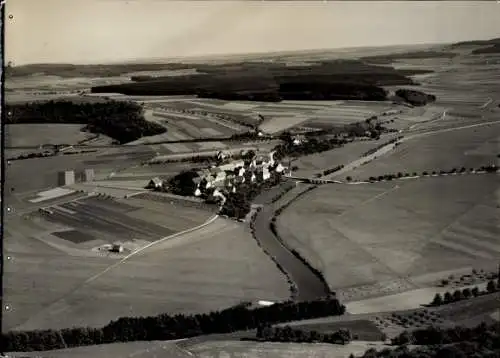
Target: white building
(67, 177)
(279, 168)
(155, 183)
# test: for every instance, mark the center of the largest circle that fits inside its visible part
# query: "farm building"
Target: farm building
(88, 175)
(155, 183)
(116, 248)
(66, 178)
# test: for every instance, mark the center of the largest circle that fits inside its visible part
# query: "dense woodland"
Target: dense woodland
(122, 121)
(167, 327)
(273, 81)
(415, 98)
(490, 49)
(457, 342)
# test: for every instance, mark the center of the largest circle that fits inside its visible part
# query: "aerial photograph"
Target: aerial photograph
(282, 179)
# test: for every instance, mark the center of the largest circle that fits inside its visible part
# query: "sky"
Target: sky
(103, 31)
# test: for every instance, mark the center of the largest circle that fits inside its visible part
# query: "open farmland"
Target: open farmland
(20, 172)
(26, 135)
(404, 232)
(210, 268)
(309, 165)
(141, 349)
(468, 147)
(242, 349)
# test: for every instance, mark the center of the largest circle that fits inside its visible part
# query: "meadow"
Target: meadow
(405, 232)
(469, 147)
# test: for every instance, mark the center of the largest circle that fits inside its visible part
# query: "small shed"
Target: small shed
(116, 248)
(155, 183)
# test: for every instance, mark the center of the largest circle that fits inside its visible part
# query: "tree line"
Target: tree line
(482, 169)
(168, 327)
(267, 333)
(481, 341)
(121, 120)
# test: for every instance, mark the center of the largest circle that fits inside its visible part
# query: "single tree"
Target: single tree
(475, 291)
(457, 295)
(438, 300)
(491, 287)
(448, 297)
(467, 293)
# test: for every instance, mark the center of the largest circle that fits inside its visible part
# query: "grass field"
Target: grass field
(242, 349)
(37, 134)
(211, 268)
(308, 165)
(472, 147)
(150, 349)
(404, 233)
(20, 173)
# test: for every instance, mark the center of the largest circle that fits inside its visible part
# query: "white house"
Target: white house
(240, 171)
(155, 183)
(265, 173)
(279, 168)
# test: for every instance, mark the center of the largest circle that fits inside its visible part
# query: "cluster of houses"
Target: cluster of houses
(224, 178)
(230, 173)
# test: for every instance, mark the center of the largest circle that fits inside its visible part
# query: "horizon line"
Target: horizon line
(221, 56)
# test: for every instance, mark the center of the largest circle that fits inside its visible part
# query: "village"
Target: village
(217, 182)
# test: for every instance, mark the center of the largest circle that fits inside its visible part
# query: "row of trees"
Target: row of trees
(333, 170)
(120, 120)
(373, 150)
(482, 341)
(289, 334)
(466, 293)
(166, 327)
(311, 146)
(49, 154)
(483, 169)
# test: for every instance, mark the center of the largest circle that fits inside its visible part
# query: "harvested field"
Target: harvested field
(404, 233)
(210, 268)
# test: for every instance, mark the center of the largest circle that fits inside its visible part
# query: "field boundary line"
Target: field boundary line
(139, 250)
